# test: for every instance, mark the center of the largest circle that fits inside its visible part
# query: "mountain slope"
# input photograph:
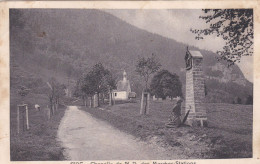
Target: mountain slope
(66, 43)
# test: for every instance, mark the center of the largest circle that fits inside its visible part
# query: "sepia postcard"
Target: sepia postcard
(129, 82)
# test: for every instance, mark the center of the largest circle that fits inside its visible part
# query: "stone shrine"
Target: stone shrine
(195, 89)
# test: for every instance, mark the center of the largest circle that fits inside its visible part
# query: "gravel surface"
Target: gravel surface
(87, 138)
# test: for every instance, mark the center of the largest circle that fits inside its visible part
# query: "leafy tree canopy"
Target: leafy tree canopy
(235, 26)
(165, 84)
(146, 67)
(98, 80)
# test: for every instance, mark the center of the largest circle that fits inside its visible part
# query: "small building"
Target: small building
(160, 98)
(123, 89)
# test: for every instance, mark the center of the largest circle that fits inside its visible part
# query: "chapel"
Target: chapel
(123, 89)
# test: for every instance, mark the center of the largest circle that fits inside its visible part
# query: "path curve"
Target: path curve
(87, 138)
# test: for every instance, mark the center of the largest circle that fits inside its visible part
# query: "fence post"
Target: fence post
(110, 98)
(90, 102)
(18, 120)
(53, 109)
(148, 103)
(48, 112)
(142, 103)
(27, 117)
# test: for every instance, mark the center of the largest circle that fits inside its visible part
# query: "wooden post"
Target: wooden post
(18, 120)
(148, 103)
(27, 117)
(142, 103)
(57, 106)
(90, 102)
(85, 102)
(48, 112)
(53, 109)
(114, 100)
(95, 101)
(110, 98)
(145, 101)
(23, 119)
(103, 98)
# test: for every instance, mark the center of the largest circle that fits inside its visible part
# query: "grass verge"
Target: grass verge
(39, 142)
(229, 134)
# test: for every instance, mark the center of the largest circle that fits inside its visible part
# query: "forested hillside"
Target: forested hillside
(66, 43)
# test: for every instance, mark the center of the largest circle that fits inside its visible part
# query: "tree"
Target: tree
(99, 80)
(165, 84)
(87, 86)
(23, 92)
(55, 93)
(59, 93)
(79, 91)
(156, 87)
(98, 74)
(146, 67)
(108, 83)
(51, 94)
(235, 26)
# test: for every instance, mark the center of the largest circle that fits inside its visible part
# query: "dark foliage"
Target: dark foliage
(235, 26)
(239, 101)
(55, 92)
(97, 80)
(146, 67)
(226, 92)
(249, 100)
(166, 84)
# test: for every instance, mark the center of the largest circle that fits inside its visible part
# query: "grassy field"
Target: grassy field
(228, 135)
(39, 142)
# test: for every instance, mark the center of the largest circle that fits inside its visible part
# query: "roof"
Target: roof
(196, 54)
(123, 86)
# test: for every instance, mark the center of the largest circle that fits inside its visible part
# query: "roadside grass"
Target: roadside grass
(228, 135)
(39, 142)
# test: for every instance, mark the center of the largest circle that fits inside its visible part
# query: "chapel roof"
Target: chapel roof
(196, 54)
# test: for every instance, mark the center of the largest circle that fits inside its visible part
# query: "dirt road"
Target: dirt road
(86, 138)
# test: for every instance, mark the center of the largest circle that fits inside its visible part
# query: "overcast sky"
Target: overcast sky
(176, 24)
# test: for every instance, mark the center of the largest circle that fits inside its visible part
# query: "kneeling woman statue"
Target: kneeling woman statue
(175, 120)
